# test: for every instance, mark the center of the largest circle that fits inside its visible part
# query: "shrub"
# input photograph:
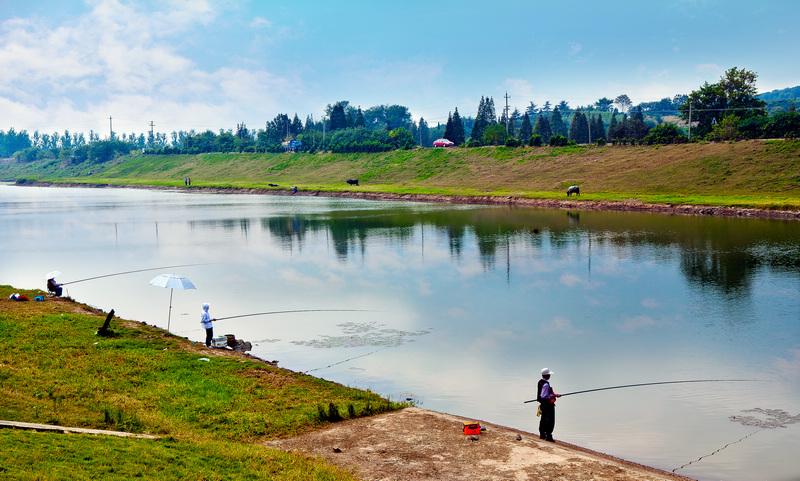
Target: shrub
(784, 124)
(726, 129)
(600, 142)
(665, 133)
(558, 141)
(535, 140)
(513, 142)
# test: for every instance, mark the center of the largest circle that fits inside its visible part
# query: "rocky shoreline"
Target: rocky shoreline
(569, 204)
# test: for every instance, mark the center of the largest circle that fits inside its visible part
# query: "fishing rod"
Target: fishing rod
(650, 384)
(128, 272)
(292, 312)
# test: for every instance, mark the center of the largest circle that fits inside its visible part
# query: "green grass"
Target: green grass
(763, 174)
(27, 455)
(55, 370)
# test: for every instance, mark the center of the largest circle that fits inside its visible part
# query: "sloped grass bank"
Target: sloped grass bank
(55, 370)
(760, 174)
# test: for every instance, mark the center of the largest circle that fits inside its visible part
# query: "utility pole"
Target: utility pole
(152, 135)
(110, 129)
(690, 121)
(323, 132)
(507, 97)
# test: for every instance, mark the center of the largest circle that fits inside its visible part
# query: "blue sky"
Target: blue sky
(204, 64)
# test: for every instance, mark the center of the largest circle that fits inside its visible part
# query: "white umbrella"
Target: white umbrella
(172, 281)
(52, 274)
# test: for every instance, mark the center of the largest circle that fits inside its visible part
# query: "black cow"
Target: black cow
(272, 185)
(352, 181)
(573, 189)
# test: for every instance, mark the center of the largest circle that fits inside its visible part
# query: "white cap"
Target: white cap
(547, 372)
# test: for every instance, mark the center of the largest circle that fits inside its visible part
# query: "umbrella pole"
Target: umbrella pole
(169, 314)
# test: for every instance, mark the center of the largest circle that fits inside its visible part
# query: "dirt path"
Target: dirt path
(425, 445)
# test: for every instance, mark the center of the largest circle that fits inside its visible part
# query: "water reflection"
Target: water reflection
(713, 253)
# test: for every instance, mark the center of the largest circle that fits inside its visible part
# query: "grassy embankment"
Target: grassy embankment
(211, 415)
(763, 174)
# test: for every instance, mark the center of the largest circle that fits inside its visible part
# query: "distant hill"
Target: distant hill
(781, 99)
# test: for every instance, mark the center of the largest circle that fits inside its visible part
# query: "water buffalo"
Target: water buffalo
(573, 189)
(352, 181)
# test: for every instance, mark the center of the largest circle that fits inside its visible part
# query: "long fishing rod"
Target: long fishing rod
(649, 384)
(128, 272)
(291, 312)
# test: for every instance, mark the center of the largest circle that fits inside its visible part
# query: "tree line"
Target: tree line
(729, 109)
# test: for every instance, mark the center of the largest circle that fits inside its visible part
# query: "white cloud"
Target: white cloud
(560, 324)
(650, 303)
(260, 22)
(575, 48)
(119, 60)
(570, 280)
(520, 90)
(709, 68)
(636, 323)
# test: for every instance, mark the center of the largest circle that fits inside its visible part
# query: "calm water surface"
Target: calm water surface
(469, 304)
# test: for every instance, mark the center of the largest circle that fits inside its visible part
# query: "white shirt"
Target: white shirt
(205, 320)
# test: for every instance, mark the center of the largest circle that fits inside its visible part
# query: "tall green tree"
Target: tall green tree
(338, 118)
(734, 94)
(543, 129)
(458, 129)
(358, 122)
(557, 123)
(579, 129)
(448, 128)
(525, 130)
(480, 122)
(424, 133)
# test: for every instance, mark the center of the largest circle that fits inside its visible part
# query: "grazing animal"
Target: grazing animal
(272, 185)
(573, 189)
(352, 181)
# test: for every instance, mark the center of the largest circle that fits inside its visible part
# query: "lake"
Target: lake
(464, 305)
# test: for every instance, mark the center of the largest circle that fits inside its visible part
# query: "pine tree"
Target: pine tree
(546, 108)
(338, 119)
(532, 109)
(543, 128)
(491, 116)
(525, 130)
(424, 136)
(297, 126)
(359, 120)
(612, 127)
(557, 125)
(512, 123)
(574, 128)
(448, 129)
(599, 129)
(480, 122)
(457, 129)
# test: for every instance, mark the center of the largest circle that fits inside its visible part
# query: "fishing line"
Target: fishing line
(652, 384)
(129, 272)
(348, 359)
(718, 450)
(291, 312)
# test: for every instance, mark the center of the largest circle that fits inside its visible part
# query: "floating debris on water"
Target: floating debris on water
(261, 341)
(360, 334)
(773, 418)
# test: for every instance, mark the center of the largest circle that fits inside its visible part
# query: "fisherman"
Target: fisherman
(206, 320)
(54, 287)
(546, 397)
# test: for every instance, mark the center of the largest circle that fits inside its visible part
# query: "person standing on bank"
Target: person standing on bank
(206, 320)
(546, 397)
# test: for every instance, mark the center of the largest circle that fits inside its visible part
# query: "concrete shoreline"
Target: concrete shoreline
(566, 204)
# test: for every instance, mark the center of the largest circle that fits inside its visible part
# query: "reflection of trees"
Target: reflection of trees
(729, 272)
(722, 254)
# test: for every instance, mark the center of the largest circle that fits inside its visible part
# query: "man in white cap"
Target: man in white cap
(206, 320)
(547, 404)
